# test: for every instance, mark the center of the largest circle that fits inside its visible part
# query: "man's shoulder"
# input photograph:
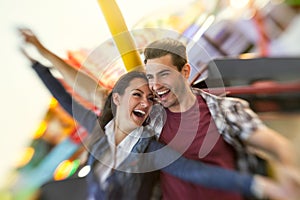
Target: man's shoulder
(196, 91)
(209, 96)
(206, 95)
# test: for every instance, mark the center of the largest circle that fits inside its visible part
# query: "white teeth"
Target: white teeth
(140, 111)
(162, 92)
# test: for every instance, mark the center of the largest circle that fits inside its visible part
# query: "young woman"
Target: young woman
(126, 175)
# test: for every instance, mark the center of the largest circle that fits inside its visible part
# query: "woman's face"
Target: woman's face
(134, 106)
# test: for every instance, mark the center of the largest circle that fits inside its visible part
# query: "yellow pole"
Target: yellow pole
(124, 41)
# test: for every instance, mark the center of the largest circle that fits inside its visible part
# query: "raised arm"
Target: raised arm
(85, 117)
(82, 83)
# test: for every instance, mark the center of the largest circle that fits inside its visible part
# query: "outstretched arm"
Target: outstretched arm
(246, 125)
(274, 144)
(214, 176)
(84, 85)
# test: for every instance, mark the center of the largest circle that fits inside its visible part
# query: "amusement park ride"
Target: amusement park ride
(228, 51)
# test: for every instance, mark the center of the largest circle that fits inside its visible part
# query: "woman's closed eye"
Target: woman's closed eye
(137, 94)
(150, 98)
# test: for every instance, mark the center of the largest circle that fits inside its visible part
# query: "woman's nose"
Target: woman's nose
(144, 103)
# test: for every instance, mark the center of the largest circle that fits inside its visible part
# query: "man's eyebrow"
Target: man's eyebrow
(163, 71)
(158, 73)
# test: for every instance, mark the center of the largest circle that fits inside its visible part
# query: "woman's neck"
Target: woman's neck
(120, 133)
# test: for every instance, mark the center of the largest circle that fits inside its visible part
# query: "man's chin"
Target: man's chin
(165, 104)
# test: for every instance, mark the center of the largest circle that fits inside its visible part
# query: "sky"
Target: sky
(61, 25)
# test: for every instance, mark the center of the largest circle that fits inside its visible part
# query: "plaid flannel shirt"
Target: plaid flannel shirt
(233, 117)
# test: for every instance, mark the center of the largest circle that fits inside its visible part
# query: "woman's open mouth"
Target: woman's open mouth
(139, 113)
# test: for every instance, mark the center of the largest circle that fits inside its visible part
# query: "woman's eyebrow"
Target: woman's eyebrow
(150, 93)
(137, 90)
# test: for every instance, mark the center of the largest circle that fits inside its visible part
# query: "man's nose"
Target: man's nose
(155, 84)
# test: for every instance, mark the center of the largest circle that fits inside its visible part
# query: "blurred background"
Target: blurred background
(254, 45)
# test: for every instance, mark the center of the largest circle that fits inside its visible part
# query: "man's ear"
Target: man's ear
(186, 70)
(116, 98)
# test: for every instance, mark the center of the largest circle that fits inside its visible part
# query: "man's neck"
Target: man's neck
(185, 102)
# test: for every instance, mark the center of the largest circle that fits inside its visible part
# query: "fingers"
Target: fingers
(267, 188)
(25, 31)
(24, 52)
(289, 179)
(28, 35)
(30, 38)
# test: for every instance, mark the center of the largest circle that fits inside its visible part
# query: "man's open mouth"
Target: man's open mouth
(163, 93)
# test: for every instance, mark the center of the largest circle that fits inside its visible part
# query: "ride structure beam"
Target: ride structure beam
(121, 36)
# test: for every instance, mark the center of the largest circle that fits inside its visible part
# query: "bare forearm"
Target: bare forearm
(82, 83)
(285, 154)
(275, 145)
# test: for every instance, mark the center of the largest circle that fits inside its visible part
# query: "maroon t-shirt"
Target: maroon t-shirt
(196, 139)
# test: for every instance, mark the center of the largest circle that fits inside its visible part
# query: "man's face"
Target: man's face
(165, 81)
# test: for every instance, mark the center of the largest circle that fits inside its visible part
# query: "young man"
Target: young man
(212, 126)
